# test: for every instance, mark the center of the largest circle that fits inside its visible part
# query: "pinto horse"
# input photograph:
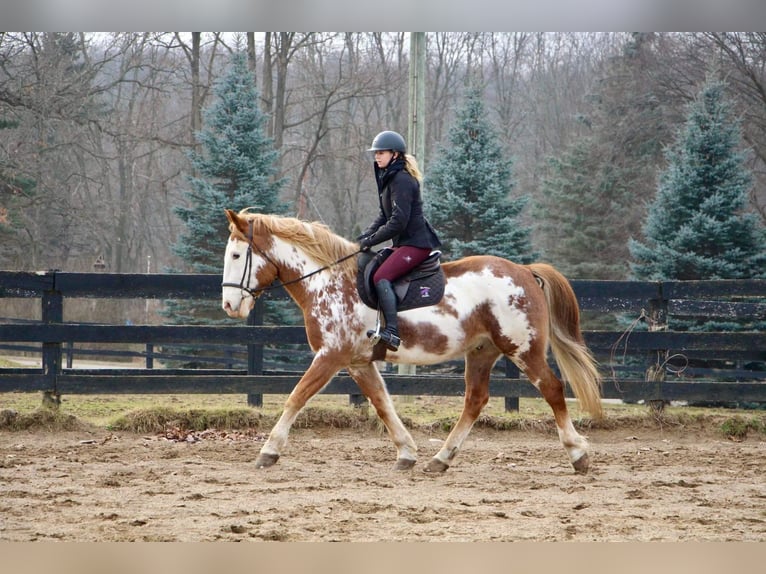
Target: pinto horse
(491, 307)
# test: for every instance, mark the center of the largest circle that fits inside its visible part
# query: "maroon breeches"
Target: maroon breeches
(402, 260)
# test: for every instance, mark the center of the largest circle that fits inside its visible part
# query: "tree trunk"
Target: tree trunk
(196, 112)
(268, 82)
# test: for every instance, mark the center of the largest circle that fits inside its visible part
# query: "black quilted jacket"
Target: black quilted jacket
(401, 216)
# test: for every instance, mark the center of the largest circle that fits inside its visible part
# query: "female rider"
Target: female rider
(401, 220)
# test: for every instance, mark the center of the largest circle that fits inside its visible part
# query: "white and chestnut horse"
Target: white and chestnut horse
(491, 307)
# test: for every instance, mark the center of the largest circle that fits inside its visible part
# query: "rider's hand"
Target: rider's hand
(365, 243)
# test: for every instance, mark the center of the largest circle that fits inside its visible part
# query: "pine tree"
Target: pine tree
(696, 227)
(236, 168)
(589, 204)
(582, 210)
(469, 187)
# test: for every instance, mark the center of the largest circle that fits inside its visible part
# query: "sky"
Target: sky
(390, 15)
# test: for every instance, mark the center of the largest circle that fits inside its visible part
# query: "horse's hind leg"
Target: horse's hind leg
(552, 390)
(372, 385)
(478, 367)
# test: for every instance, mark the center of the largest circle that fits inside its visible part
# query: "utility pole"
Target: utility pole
(416, 125)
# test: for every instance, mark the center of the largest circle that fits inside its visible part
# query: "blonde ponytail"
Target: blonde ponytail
(411, 166)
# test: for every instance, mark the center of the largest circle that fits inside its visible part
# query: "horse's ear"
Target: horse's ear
(236, 220)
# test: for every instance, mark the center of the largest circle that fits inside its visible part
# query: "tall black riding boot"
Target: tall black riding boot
(387, 304)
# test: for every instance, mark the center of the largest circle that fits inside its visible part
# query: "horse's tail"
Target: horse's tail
(575, 361)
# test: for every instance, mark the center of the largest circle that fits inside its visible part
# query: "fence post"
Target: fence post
(512, 372)
(52, 312)
(149, 355)
(658, 321)
(69, 354)
(255, 352)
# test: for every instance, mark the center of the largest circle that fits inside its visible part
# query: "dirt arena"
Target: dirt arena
(337, 485)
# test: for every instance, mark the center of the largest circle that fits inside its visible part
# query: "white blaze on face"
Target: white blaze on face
(236, 302)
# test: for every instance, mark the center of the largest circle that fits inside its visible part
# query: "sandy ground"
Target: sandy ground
(338, 485)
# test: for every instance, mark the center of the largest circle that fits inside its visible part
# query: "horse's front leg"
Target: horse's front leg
(313, 380)
(372, 385)
(478, 367)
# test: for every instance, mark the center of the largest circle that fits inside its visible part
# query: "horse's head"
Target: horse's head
(246, 267)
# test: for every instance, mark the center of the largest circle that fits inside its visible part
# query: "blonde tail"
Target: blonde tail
(575, 361)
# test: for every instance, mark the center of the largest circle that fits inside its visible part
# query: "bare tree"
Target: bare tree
(446, 64)
(99, 124)
(53, 84)
(199, 89)
(340, 84)
(743, 63)
(281, 48)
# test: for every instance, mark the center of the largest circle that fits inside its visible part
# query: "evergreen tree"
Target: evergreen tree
(696, 227)
(236, 168)
(582, 210)
(589, 204)
(469, 187)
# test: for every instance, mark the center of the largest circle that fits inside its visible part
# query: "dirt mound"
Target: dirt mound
(42, 420)
(160, 419)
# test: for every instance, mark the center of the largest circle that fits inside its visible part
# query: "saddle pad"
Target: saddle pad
(420, 291)
(412, 291)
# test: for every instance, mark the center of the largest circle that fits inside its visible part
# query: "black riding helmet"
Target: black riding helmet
(389, 140)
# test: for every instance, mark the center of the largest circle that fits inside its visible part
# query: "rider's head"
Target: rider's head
(386, 147)
(389, 140)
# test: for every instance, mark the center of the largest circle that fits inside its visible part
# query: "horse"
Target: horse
(491, 307)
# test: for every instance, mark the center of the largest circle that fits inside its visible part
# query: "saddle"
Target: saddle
(421, 287)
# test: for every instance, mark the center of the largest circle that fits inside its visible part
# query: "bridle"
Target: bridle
(244, 282)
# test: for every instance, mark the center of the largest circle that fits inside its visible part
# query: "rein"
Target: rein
(244, 283)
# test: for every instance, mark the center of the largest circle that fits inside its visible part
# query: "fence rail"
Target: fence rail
(636, 364)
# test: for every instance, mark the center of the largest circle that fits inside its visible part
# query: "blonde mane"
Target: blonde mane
(314, 238)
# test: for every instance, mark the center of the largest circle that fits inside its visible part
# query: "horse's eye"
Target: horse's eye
(235, 255)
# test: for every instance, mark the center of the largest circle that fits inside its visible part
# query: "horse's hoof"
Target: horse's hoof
(404, 464)
(435, 465)
(582, 464)
(265, 460)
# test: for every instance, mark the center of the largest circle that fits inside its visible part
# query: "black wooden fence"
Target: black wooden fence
(654, 365)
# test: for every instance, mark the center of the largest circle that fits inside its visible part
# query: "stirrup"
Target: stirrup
(391, 340)
(374, 336)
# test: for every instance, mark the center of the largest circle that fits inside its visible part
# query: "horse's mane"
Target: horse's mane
(314, 238)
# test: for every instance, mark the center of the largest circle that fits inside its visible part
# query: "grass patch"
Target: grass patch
(156, 413)
(158, 419)
(342, 418)
(52, 420)
(738, 427)
(104, 410)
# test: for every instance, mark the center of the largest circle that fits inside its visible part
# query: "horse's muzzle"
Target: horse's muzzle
(241, 310)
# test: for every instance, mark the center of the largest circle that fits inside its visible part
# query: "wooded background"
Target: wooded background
(95, 128)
